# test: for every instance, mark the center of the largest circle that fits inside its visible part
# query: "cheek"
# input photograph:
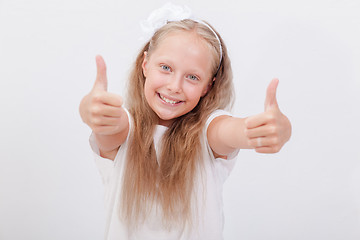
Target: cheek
(193, 92)
(155, 80)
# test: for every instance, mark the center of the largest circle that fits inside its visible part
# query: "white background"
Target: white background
(49, 185)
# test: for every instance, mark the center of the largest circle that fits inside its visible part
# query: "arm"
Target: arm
(103, 113)
(225, 134)
(266, 132)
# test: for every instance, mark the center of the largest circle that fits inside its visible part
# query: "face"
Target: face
(177, 75)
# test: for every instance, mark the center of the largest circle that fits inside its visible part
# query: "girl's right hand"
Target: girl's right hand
(102, 110)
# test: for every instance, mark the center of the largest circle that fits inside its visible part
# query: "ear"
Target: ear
(143, 65)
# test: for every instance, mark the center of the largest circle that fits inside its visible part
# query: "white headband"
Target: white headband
(170, 12)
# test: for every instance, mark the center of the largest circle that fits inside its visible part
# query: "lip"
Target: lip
(177, 101)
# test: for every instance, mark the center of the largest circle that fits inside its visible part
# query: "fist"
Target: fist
(269, 131)
(99, 109)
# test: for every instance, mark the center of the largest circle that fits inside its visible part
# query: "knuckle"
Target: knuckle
(117, 128)
(276, 148)
(97, 121)
(96, 129)
(97, 97)
(275, 141)
(272, 129)
(93, 122)
(271, 117)
(95, 110)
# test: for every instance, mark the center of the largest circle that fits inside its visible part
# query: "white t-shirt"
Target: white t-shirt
(209, 224)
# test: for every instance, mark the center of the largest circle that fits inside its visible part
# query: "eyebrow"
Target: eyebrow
(167, 60)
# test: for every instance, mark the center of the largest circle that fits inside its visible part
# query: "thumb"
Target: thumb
(270, 100)
(101, 78)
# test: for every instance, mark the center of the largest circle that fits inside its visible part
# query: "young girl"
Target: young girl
(164, 158)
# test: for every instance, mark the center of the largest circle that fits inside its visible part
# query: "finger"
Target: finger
(267, 149)
(105, 130)
(108, 98)
(262, 131)
(270, 100)
(112, 99)
(107, 110)
(262, 142)
(258, 120)
(104, 121)
(101, 78)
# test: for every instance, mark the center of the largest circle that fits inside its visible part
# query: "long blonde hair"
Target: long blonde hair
(169, 184)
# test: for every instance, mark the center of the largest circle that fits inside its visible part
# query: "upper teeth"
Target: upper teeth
(168, 100)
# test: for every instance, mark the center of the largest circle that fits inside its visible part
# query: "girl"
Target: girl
(164, 158)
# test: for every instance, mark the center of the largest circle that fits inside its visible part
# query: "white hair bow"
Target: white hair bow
(171, 12)
(159, 17)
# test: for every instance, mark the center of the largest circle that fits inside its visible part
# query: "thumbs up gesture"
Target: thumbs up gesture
(269, 131)
(102, 110)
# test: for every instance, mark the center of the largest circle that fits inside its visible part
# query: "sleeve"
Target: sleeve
(226, 164)
(105, 165)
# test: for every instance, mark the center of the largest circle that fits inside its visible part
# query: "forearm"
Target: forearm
(232, 133)
(227, 134)
(108, 143)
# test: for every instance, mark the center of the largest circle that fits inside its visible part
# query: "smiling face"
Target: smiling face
(178, 74)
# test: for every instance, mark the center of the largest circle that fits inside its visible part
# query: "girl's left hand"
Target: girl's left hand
(267, 132)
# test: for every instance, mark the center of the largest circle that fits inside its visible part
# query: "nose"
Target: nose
(175, 83)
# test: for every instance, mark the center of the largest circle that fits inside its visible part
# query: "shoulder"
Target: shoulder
(219, 128)
(215, 115)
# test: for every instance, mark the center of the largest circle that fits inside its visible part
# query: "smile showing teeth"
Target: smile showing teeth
(168, 100)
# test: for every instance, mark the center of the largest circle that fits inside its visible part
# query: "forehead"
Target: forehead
(186, 47)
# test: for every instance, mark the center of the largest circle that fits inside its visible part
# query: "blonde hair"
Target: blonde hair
(170, 184)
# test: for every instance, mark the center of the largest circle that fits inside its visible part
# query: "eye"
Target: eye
(193, 77)
(165, 67)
